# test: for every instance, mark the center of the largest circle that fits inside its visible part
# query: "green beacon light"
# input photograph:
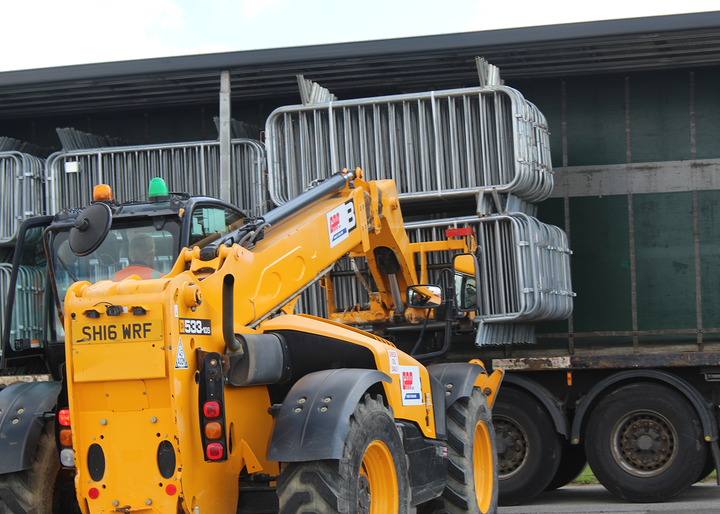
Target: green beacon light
(157, 190)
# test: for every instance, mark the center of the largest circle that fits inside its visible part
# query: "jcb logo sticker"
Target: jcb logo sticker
(340, 221)
(195, 326)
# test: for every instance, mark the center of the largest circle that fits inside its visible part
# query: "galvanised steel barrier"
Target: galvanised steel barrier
(524, 275)
(21, 189)
(27, 320)
(192, 167)
(438, 144)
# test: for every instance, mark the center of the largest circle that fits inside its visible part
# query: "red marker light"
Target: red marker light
(215, 451)
(458, 232)
(171, 489)
(64, 417)
(93, 493)
(211, 409)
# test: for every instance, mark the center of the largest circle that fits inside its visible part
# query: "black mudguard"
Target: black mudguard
(303, 431)
(456, 378)
(22, 407)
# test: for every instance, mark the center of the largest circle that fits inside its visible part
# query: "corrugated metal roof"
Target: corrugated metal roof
(369, 67)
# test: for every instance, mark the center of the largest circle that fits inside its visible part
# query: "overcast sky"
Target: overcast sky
(43, 33)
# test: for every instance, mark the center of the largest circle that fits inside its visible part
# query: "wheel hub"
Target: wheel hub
(644, 443)
(511, 443)
(363, 495)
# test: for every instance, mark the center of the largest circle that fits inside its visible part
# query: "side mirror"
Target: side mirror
(466, 267)
(424, 296)
(90, 230)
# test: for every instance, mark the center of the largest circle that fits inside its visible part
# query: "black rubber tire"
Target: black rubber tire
(333, 486)
(460, 496)
(35, 491)
(647, 415)
(528, 446)
(572, 462)
(709, 466)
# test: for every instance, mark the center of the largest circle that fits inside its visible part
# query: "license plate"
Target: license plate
(121, 331)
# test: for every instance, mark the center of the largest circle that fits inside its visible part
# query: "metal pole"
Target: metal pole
(225, 136)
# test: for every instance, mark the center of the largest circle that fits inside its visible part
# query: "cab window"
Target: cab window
(211, 222)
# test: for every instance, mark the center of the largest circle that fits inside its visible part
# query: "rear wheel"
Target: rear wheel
(572, 462)
(371, 477)
(709, 466)
(645, 443)
(528, 446)
(39, 490)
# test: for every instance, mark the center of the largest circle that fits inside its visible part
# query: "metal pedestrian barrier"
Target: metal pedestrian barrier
(193, 168)
(27, 320)
(435, 145)
(524, 275)
(22, 191)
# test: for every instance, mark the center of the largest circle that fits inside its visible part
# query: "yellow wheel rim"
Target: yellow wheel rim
(483, 466)
(377, 483)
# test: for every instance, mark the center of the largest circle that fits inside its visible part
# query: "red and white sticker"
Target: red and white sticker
(394, 362)
(410, 385)
(340, 221)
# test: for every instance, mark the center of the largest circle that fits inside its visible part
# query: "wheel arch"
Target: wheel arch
(614, 382)
(549, 401)
(310, 434)
(457, 379)
(27, 403)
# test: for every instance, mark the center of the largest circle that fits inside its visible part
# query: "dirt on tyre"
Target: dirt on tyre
(42, 488)
(370, 478)
(528, 446)
(644, 442)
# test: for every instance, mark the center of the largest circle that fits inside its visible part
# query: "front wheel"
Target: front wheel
(645, 443)
(472, 479)
(370, 478)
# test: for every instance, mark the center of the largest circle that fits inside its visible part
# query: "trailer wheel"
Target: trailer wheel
(708, 468)
(645, 443)
(371, 477)
(528, 446)
(38, 489)
(472, 480)
(572, 462)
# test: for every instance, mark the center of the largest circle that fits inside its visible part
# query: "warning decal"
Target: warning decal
(181, 361)
(410, 385)
(394, 364)
(340, 221)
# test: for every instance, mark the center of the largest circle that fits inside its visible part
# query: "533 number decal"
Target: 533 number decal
(195, 326)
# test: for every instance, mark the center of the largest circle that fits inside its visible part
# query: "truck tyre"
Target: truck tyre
(527, 444)
(472, 479)
(709, 466)
(370, 478)
(645, 443)
(572, 462)
(38, 490)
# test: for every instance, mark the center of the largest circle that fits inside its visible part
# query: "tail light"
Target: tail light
(215, 451)
(212, 408)
(64, 438)
(64, 417)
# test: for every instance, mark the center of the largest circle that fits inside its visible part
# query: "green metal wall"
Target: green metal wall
(638, 118)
